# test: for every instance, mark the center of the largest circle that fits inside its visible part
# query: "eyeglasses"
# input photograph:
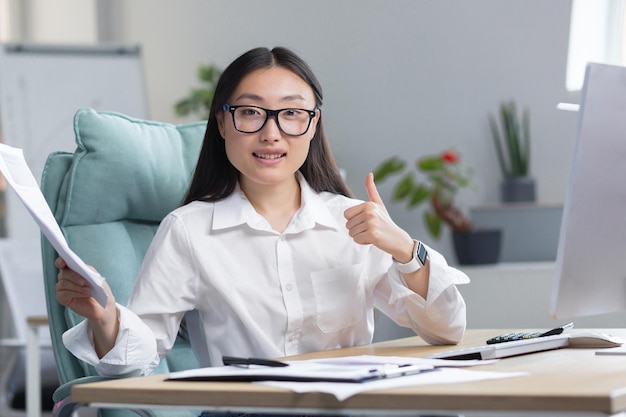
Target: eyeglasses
(251, 119)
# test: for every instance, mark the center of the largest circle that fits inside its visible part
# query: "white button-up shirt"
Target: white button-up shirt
(261, 293)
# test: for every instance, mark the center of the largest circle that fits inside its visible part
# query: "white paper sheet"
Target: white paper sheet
(437, 371)
(349, 369)
(402, 360)
(342, 391)
(19, 176)
(360, 367)
(303, 371)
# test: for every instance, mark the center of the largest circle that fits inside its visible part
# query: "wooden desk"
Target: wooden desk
(568, 381)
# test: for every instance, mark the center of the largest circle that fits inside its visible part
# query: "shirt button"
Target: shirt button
(292, 337)
(283, 237)
(288, 287)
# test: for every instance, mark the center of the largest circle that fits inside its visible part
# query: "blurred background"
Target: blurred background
(400, 77)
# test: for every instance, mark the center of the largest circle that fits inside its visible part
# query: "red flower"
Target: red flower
(450, 156)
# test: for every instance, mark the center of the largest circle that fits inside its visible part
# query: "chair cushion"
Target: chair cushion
(146, 165)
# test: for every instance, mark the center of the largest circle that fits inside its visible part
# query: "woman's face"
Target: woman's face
(269, 156)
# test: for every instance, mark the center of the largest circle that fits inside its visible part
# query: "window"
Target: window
(597, 34)
(4, 20)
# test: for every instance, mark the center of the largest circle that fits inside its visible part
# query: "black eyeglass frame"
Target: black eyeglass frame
(271, 113)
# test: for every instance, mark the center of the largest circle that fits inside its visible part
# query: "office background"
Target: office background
(401, 77)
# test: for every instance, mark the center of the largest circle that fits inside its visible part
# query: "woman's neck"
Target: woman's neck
(276, 203)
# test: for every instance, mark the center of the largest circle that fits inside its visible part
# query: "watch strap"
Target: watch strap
(420, 255)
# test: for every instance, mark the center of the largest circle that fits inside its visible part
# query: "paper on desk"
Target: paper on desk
(401, 360)
(17, 173)
(342, 391)
(310, 371)
(348, 370)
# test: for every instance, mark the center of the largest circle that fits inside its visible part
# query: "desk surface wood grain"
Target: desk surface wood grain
(563, 380)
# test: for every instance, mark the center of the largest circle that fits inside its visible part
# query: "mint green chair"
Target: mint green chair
(109, 197)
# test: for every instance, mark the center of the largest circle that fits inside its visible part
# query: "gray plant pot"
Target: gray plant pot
(517, 189)
(477, 247)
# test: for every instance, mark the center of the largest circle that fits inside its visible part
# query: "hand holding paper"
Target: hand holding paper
(17, 173)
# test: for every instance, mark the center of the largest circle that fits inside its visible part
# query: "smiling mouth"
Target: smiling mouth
(269, 155)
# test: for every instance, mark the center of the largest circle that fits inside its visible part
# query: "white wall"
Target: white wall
(54, 21)
(401, 77)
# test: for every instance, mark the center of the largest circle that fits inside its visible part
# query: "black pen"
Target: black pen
(557, 330)
(239, 361)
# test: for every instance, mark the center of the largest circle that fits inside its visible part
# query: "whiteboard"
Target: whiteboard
(42, 86)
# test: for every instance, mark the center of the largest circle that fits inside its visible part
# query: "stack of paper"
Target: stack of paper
(346, 376)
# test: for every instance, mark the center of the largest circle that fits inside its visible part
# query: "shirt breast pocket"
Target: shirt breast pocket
(339, 297)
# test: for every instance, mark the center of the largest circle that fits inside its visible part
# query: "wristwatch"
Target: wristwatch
(420, 255)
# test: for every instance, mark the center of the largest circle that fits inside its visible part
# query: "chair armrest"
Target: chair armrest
(63, 405)
(64, 390)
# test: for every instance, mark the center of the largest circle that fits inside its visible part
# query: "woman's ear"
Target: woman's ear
(220, 124)
(315, 122)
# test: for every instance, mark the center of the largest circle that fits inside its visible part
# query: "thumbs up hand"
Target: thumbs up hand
(370, 223)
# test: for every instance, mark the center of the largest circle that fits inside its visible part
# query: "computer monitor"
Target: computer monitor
(591, 258)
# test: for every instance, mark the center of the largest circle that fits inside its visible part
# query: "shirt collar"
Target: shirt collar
(236, 210)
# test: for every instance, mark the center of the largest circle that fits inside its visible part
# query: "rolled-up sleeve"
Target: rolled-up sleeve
(134, 353)
(438, 319)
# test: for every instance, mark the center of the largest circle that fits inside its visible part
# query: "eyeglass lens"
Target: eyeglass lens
(293, 122)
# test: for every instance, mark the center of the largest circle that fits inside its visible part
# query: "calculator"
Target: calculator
(510, 337)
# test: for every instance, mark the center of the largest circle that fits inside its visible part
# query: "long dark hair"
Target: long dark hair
(215, 177)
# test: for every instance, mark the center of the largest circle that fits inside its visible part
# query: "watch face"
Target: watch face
(421, 254)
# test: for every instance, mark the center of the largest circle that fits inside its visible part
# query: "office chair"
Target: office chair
(22, 296)
(109, 197)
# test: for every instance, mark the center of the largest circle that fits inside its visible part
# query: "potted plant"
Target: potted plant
(435, 180)
(198, 101)
(512, 142)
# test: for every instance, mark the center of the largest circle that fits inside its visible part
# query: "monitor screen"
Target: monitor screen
(591, 258)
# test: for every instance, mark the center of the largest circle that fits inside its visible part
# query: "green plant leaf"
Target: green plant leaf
(509, 121)
(497, 140)
(433, 224)
(513, 146)
(403, 187)
(525, 146)
(418, 195)
(433, 163)
(388, 167)
(198, 101)
(209, 74)
(183, 107)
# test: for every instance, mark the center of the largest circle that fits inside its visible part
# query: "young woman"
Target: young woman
(269, 248)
